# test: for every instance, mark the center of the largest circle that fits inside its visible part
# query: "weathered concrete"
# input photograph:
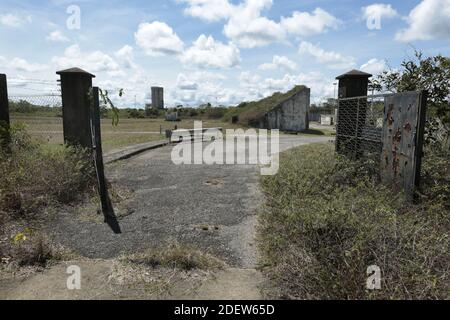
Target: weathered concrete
(175, 203)
(291, 114)
(4, 112)
(75, 87)
(131, 151)
(354, 83)
(157, 98)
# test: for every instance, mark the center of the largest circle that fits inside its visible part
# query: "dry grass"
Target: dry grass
(159, 271)
(175, 256)
(129, 131)
(326, 220)
(34, 181)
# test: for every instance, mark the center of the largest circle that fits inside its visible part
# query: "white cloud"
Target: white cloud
(57, 36)
(208, 10)
(208, 53)
(20, 64)
(157, 39)
(247, 79)
(374, 66)
(184, 83)
(96, 61)
(379, 10)
(249, 29)
(255, 88)
(202, 87)
(125, 56)
(332, 59)
(14, 20)
(306, 24)
(430, 19)
(279, 62)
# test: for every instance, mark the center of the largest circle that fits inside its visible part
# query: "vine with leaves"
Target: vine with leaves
(107, 103)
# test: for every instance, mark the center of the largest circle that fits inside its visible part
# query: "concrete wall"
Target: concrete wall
(327, 119)
(292, 114)
(157, 98)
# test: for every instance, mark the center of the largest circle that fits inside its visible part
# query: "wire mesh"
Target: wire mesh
(29, 93)
(41, 100)
(359, 126)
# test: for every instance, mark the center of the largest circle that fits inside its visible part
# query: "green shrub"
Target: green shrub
(327, 219)
(33, 176)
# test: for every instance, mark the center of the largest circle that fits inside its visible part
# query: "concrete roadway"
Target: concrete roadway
(211, 207)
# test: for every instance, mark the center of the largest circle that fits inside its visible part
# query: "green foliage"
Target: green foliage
(205, 111)
(34, 176)
(107, 103)
(136, 113)
(422, 73)
(23, 107)
(327, 219)
(154, 113)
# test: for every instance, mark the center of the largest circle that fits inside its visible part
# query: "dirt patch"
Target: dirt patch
(218, 183)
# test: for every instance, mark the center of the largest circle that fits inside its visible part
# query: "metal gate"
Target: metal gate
(388, 129)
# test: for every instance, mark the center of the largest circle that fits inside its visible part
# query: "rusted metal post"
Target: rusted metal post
(75, 86)
(5, 137)
(420, 136)
(96, 136)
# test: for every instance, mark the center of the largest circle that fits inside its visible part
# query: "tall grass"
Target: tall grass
(327, 219)
(34, 178)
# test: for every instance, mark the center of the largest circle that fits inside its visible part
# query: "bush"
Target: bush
(33, 176)
(28, 248)
(136, 114)
(327, 219)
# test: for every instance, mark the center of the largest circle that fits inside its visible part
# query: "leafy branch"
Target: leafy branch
(106, 101)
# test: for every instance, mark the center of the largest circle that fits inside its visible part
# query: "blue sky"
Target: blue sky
(218, 51)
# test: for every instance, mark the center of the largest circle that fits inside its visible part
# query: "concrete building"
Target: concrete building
(291, 114)
(327, 119)
(157, 98)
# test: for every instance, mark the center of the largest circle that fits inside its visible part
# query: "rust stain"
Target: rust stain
(395, 162)
(398, 137)
(408, 127)
(390, 118)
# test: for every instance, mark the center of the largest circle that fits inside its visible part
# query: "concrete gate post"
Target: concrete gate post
(5, 137)
(76, 84)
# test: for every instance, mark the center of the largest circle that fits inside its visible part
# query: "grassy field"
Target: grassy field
(128, 132)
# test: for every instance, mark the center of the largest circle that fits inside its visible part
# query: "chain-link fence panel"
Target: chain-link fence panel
(30, 101)
(359, 126)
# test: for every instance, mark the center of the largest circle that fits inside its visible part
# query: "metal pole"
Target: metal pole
(107, 208)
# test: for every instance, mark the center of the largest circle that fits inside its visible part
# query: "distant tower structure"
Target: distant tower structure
(157, 98)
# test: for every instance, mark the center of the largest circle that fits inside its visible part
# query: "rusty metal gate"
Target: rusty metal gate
(387, 128)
